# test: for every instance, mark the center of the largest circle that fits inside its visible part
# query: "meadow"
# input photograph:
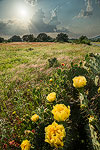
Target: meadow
(25, 75)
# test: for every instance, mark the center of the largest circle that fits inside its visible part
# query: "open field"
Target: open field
(24, 81)
(24, 62)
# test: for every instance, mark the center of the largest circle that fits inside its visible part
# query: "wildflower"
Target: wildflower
(4, 146)
(99, 90)
(63, 64)
(33, 131)
(79, 82)
(14, 143)
(91, 119)
(51, 80)
(54, 134)
(17, 145)
(61, 112)
(51, 97)
(25, 145)
(27, 131)
(11, 142)
(14, 113)
(38, 88)
(19, 122)
(82, 106)
(35, 117)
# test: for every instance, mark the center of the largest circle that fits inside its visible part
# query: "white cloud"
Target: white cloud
(88, 11)
(11, 27)
(31, 2)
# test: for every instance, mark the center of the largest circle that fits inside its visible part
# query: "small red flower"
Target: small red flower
(63, 64)
(19, 122)
(4, 146)
(33, 131)
(16, 144)
(12, 142)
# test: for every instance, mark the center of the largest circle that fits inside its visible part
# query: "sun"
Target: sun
(23, 12)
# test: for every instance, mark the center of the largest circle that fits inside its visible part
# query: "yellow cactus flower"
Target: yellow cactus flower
(79, 82)
(51, 80)
(51, 97)
(25, 145)
(35, 117)
(99, 90)
(91, 118)
(54, 134)
(61, 112)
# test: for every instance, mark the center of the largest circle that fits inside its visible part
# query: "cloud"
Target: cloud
(11, 27)
(54, 16)
(38, 25)
(98, 1)
(88, 11)
(32, 2)
(63, 29)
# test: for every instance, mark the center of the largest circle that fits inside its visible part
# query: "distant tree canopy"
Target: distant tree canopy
(83, 40)
(62, 37)
(28, 38)
(1, 40)
(43, 37)
(15, 38)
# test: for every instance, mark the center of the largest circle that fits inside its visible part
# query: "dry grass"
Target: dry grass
(25, 61)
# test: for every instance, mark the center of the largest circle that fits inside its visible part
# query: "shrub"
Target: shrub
(53, 62)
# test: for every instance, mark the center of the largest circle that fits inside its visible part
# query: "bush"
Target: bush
(83, 40)
(53, 62)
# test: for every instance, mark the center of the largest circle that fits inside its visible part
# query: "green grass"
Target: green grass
(20, 65)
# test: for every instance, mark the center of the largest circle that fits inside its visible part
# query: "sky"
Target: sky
(73, 17)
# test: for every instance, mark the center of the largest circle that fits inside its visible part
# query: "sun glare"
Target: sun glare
(23, 12)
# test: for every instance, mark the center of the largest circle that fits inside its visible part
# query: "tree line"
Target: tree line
(43, 37)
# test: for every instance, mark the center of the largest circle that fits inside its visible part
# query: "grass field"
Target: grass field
(25, 62)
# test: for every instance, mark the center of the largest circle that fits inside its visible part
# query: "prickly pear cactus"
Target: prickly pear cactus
(94, 137)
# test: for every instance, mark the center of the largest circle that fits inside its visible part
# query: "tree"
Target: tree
(15, 38)
(1, 40)
(62, 37)
(29, 38)
(83, 37)
(42, 37)
(84, 40)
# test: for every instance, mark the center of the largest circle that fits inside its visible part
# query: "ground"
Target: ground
(24, 61)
